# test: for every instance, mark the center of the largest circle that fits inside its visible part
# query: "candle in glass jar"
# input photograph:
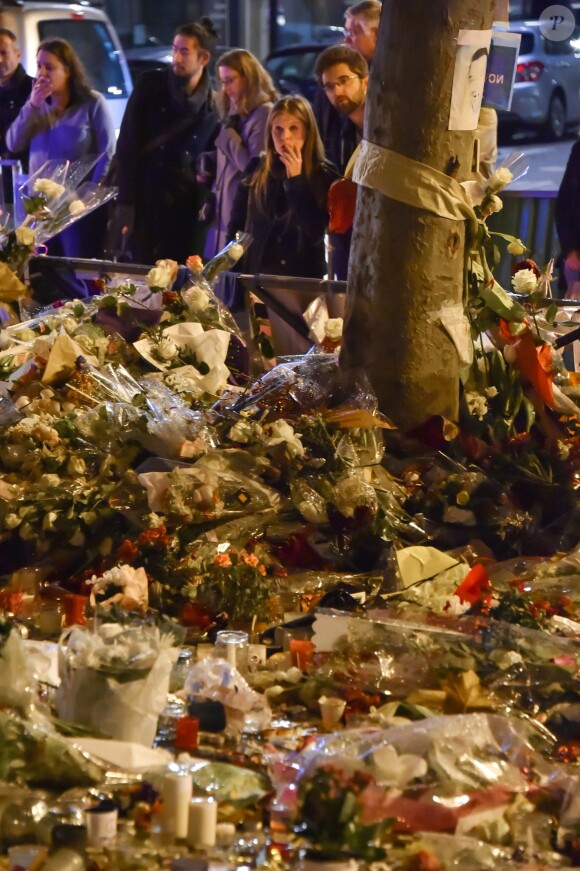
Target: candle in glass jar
(176, 796)
(201, 831)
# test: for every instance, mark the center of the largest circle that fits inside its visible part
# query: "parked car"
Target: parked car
(547, 87)
(88, 30)
(292, 67)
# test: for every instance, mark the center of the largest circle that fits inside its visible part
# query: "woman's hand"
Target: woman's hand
(41, 89)
(572, 261)
(291, 157)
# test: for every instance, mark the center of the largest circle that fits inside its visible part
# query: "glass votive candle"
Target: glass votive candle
(301, 650)
(75, 605)
(186, 733)
(11, 601)
(232, 646)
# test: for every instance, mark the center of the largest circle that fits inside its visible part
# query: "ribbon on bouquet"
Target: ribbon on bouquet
(408, 181)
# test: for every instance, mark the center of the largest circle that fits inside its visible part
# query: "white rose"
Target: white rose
(25, 236)
(495, 204)
(500, 178)
(76, 207)
(158, 277)
(517, 248)
(166, 349)
(525, 281)
(196, 299)
(333, 328)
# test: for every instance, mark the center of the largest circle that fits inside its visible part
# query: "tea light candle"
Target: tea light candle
(202, 827)
(233, 647)
(176, 794)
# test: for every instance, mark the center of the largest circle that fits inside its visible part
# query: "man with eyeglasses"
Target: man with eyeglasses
(171, 118)
(343, 75)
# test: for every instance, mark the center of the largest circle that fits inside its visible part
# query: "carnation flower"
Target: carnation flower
(25, 236)
(517, 248)
(525, 281)
(49, 188)
(166, 349)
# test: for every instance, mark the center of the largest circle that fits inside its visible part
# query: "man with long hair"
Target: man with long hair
(171, 118)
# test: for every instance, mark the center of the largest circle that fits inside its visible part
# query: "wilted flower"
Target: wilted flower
(525, 281)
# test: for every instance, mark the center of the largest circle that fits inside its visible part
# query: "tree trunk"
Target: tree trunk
(407, 263)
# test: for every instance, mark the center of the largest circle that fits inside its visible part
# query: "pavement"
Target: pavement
(547, 162)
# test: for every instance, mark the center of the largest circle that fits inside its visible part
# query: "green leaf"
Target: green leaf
(501, 303)
(551, 313)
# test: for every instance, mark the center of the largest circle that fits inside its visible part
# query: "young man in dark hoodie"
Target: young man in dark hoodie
(171, 118)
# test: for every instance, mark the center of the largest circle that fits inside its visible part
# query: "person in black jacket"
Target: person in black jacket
(568, 222)
(15, 88)
(282, 201)
(171, 118)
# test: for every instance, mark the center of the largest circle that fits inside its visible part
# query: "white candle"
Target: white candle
(176, 795)
(202, 822)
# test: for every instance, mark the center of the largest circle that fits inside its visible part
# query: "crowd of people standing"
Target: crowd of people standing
(193, 166)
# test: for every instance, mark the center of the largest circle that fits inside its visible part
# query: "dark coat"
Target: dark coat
(288, 234)
(568, 204)
(13, 96)
(340, 136)
(164, 130)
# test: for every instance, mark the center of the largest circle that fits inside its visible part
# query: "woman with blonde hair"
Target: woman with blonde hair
(282, 201)
(245, 98)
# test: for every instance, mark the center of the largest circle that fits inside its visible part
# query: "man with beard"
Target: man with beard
(343, 75)
(15, 88)
(171, 118)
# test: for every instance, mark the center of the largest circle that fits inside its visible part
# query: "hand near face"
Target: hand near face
(291, 157)
(41, 89)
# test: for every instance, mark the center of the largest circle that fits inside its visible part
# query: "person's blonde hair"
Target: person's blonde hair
(368, 11)
(259, 87)
(312, 150)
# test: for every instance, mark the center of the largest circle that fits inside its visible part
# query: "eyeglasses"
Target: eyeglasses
(330, 87)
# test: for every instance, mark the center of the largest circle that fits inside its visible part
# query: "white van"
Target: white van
(90, 33)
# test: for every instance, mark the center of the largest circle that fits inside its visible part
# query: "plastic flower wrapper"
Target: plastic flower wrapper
(17, 683)
(32, 753)
(128, 309)
(200, 304)
(208, 490)
(215, 679)
(115, 680)
(227, 257)
(56, 196)
(448, 774)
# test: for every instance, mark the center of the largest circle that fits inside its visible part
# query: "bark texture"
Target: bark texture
(406, 263)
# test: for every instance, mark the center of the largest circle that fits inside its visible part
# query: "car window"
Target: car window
(527, 44)
(559, 47)
(93, 44)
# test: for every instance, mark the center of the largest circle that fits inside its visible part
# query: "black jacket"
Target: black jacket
(568, 204)
(288, 234)
(164, 130)
(13, 96)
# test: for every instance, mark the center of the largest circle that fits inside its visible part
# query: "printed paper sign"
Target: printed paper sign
(501, 70)
(469, 78)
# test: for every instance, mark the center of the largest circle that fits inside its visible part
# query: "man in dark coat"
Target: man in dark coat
(171, 118)
(15, 88)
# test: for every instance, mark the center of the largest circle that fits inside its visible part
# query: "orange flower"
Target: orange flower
(250, 559)
(222, 560)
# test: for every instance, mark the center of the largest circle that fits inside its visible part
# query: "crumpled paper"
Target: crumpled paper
(420, 563)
